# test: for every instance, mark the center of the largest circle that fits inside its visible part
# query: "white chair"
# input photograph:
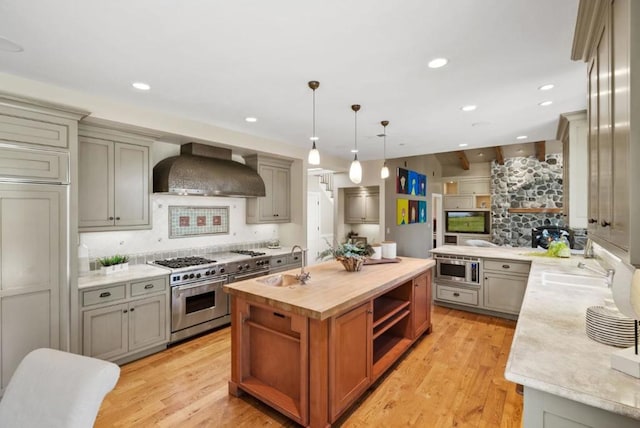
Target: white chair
(54, 389)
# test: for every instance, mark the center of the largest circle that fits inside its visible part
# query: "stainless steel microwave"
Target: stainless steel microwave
(459, 269)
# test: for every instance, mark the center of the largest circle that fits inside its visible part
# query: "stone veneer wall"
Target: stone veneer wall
(524, 183)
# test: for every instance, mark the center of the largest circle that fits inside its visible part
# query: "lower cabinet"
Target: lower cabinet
(504, 293)
(350, 377)
(421, 310)
(127, 322)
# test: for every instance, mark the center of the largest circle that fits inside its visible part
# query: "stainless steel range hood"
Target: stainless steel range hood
(206, 171)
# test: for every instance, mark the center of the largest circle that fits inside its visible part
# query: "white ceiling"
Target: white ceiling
(220, 61)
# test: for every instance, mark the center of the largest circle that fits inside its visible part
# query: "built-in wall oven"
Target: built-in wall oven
(461, 270)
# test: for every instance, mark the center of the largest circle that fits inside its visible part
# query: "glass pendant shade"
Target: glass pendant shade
(384, 172)
(355, 171)
(314, 154)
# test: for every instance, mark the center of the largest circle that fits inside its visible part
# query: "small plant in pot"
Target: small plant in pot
(352, 256)
(114, 264)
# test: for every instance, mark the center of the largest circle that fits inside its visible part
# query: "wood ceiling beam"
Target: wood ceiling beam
(464, 162)
(499, 156)
(540, 150)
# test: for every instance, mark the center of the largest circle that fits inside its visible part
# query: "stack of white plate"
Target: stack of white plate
(610, 327)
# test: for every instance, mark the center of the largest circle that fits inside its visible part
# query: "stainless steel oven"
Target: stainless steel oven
(459, 269)
(198, 307)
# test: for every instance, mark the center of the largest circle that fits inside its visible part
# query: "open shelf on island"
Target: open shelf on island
(386, 307)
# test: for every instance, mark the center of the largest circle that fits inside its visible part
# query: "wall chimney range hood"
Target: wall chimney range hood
(206, 171)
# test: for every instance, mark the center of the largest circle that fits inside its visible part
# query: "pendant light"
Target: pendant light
(314, 154)
(355, 171)
(384, 172)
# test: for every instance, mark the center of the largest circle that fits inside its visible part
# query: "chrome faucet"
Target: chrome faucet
(588, 250)
(303, 276)
(607, 273)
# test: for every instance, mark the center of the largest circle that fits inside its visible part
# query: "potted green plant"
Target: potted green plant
(352, 256)
(113, 264)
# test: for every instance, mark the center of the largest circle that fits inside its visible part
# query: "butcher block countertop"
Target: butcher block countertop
(331, 289)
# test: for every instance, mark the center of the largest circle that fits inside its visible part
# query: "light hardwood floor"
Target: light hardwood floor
(453, 377)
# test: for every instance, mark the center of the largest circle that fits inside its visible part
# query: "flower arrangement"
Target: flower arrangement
(114, 264)
(350, 255)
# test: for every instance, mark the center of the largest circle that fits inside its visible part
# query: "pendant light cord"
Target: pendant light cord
(356, 135)
(314, 117)
(384, 144)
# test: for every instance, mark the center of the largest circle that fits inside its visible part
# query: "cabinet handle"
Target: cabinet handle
(148, 286)
(369, 311)
(124, 311)
(117, 218)
(110, 218)
(105, 294)
(593, 220)
(605, 223)
(456, 294)
(279, 261)
(132, 309)
(506, 266)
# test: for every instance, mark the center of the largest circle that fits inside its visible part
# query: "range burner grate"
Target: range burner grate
(249, 253)
(181, 262)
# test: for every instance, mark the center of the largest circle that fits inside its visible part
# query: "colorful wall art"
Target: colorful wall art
(422, 209)
(402, 211)
(411, 183)
(413, 211)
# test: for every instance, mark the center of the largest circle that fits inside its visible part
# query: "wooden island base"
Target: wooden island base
(313, 369)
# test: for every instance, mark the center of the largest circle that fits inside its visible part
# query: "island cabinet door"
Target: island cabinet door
(350, 357)
(421, 304)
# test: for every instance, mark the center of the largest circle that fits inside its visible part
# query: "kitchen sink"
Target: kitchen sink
(279, 280)
(552, 278)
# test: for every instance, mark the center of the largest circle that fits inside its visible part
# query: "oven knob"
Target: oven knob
(198, 275)
(266, 262)
(191, 276)
(239, 267)
(259, 263)
(221, 271)
(213, 271)
(207, 273)
(246, 266)
(185, 276)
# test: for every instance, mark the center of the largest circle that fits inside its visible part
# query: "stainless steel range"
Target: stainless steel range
(198, 302)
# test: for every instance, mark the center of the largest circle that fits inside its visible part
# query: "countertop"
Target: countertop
(550, 351)
(135, 272)
(331, 288)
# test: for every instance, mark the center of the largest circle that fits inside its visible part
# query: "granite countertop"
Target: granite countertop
(550, 351)
(135, 272)
(331, 288)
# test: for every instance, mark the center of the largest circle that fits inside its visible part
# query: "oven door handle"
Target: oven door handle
(199, 284)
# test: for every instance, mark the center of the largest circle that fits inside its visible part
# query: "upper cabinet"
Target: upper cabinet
(362, 205)
(467, 193)
(275, 206)
(114, 180)
(607, 37)
(573, 132)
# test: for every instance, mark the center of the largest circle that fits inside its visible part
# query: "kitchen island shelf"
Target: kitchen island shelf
(387, 348)
(386, 307)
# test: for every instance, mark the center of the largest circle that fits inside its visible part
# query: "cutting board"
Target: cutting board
(380, 261)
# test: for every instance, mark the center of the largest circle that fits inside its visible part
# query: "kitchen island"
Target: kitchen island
(311, 350)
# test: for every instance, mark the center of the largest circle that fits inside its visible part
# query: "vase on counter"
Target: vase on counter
(351, 264)
(108, 270)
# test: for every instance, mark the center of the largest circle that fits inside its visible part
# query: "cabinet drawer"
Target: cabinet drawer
(146, 287)
(24, 130)
(507, 266)
(27, 164)
(103, 295)
(457, 295)
(278, 261)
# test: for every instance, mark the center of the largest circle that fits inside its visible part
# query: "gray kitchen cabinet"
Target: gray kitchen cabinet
(125, 321)
(454, 202)
(474, 186)
(362, 206)
(573, 132)
(606, 43)
(275, 206)
(114, 180)
(284, 262)
(505, 282)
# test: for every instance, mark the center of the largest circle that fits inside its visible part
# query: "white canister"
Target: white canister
(83, 259)
(388, 250)
(377, 252)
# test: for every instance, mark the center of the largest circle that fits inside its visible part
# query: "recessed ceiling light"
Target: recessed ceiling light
(546, 103)
(521, 137)
(462, 145)
(7, 45)
(520, 150)
(250, 119)
(546, 87)
(438, 62)
(354, 150)
(469, 108)
(480, 154)
(141, 86)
